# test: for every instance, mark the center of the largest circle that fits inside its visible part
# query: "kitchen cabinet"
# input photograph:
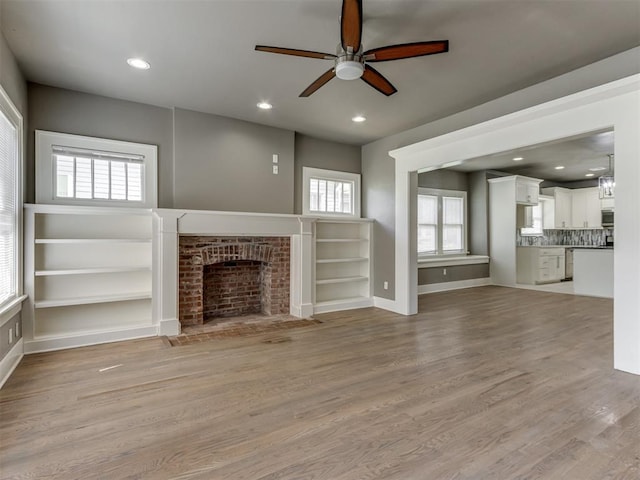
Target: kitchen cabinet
(562, 208)
(585, 208)
(575, 209)
(536, 265)
(527, 190)
(502, 226)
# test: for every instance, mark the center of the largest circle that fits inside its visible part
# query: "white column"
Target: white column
(165, 272)
(302, 269)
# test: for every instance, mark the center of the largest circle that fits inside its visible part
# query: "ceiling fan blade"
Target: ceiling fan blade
(320, 81)
(377, 81)
(295, 52)
(406, 50)
(351, 25)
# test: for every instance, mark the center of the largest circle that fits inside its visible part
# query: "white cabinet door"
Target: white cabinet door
(593, 216)
(586, 208)
(563, 208)
(527, 192)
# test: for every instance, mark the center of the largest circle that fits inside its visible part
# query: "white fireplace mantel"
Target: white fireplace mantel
(169, 224)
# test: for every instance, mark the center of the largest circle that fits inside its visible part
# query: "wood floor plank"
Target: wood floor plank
(483, 383)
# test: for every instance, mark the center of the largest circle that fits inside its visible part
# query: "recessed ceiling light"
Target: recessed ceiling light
(138, 63)
(597, 169)
(517, 159)
(265, 106)
(358, 119)
(560, 167)
(590, 175)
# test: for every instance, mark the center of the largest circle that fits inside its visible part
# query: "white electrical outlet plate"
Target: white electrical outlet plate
(385, 285)
(275, 169)
(17, 329)
(275, 158)
(10, 336)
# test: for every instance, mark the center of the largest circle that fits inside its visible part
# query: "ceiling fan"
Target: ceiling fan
(350, 62)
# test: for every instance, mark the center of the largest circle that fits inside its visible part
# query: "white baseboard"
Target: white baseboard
(169, 327)
(302, 311)
(11, 361)
(443, 287)
(48, 344)
(339, 305)
(385, 304)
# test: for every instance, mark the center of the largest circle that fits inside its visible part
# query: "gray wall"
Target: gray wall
(77, 113)
(378, 170)
(444, 179)
(478, 200)
(316, 153)
(226, 164)
(14, 84)
(428, 276)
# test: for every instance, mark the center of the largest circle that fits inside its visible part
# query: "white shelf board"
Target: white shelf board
(327, 281)
(89, 300)
(92, 240)
(86, 271)
(342, 260)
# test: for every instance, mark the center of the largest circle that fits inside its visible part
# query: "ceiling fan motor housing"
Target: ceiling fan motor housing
(349, 65)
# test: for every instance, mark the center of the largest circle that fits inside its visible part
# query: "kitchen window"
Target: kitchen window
(442, 222)
(77, 170)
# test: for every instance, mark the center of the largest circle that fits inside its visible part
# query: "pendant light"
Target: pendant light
(606, 183)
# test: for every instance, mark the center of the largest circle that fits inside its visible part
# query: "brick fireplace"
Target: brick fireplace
(226, 276)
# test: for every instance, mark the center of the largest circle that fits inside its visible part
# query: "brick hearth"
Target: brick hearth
(228, 276)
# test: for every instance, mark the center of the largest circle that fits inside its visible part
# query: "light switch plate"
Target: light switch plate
(275, 169)
(275, 158)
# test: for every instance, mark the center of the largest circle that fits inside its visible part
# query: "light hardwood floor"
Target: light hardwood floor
(485, 383)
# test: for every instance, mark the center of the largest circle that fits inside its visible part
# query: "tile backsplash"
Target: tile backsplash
(565, 237)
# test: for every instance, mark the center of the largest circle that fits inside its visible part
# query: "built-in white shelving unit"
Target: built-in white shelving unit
(342, 265)
(87, 275)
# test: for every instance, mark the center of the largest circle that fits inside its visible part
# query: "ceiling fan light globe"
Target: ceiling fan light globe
(349, 70)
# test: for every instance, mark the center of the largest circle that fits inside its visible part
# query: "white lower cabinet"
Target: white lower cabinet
(87, 276)
(535, 265)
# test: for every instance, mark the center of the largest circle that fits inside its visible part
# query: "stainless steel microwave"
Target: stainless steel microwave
(607, 218)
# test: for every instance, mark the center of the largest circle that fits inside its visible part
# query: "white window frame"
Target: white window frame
(440, 193)
(11, 305)
(535, 231)
(45, 168)
(308, 173)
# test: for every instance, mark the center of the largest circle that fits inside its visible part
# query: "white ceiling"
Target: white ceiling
(202, 54)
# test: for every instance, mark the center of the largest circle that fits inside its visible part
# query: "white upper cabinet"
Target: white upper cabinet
(586, 208)
(527, 191)
(579, 208)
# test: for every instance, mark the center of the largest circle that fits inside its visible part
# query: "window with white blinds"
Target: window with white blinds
(78, 170)
(97, 175)
(330, 193)
(441, 222)
(10, 201)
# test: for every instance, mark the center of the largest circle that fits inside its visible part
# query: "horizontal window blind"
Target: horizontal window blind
(9, 136)
(332, 196)
(87, 174)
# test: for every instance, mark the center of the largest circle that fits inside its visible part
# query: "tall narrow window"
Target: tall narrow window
(10, 201)
(441, 222)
